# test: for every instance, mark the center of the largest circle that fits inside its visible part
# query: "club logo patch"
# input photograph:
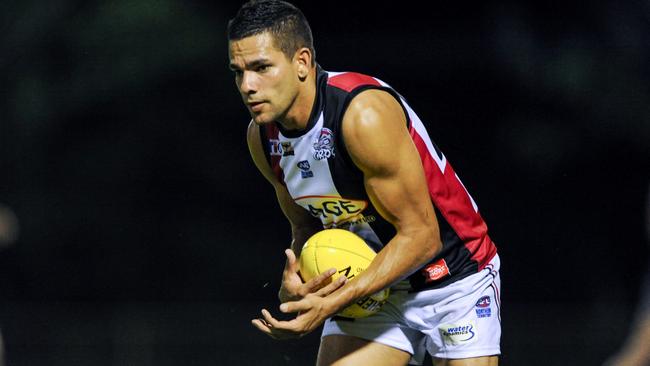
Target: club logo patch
(305, 169)
(456, 334)
(483, 309)
(324, 145)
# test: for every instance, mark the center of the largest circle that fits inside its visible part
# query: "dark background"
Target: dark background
(147, 237)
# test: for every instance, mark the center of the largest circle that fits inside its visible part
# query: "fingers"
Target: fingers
(267, 324)
(264, 326)
(268, 318)
(290, 272)
(294, 306)
(317, 282)
(292, 264)
(274, 328)
(332, 286)
(274, 324)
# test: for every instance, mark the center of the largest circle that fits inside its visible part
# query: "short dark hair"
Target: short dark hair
(284, 21)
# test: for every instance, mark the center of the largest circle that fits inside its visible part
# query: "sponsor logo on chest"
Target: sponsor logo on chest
(335, 211)
(287, 149)
(305, 169)
(280, 148)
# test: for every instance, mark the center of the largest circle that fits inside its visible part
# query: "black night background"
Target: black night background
(147, 237)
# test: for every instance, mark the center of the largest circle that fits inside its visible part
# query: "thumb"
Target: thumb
(292, 263)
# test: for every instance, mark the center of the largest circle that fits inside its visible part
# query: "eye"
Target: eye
(262, 68)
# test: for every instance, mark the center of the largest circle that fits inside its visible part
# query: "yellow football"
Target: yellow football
(350, 255)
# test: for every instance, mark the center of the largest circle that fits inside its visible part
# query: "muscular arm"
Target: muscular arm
(375, 134)
(303, 225)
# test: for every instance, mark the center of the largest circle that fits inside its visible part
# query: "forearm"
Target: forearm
(402, 256)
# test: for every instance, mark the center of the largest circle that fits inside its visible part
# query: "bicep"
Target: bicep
(379, 144)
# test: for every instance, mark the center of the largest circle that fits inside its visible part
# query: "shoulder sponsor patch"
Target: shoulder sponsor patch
(455, 334)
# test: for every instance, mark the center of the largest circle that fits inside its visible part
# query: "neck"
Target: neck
(297, 116)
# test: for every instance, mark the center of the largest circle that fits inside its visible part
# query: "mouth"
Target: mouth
(255, 106)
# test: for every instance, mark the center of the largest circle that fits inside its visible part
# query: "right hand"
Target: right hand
(292, 288)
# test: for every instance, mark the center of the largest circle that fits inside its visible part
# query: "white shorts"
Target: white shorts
(460, 320)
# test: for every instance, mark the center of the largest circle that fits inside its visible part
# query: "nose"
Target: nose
(247, 83)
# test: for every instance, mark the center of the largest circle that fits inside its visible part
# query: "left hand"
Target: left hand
(312, 311)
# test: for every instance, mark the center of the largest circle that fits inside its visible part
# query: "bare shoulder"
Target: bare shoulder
(374, 126)
(256, 150)
(252, 132)
(373, 108)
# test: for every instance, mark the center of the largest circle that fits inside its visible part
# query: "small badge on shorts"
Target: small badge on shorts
(456, 334)
(483, 309)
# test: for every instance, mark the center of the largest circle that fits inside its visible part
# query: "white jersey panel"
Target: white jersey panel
(300, 167)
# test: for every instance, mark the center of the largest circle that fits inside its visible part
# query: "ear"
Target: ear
(303, 62)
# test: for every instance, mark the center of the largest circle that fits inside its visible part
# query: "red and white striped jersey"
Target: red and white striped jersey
(320, 176)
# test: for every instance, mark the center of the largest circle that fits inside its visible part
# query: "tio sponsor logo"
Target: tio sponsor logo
(280, 148)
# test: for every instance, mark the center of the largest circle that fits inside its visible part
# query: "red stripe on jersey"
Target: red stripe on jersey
(348, 81)
(451, 199)
(272, 133)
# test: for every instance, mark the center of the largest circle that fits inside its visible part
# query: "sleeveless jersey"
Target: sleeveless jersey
(320, 176)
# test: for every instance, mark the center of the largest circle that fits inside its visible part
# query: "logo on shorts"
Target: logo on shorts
(305, 169)
(458, 333)
(435, 271)
(324, 146)
(483, 309)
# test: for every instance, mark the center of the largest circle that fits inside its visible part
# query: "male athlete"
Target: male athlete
(345, 150)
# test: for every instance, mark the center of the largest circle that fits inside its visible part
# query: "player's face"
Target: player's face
(266, 78)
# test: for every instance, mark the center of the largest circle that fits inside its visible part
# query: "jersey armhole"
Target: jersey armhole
(272, 161)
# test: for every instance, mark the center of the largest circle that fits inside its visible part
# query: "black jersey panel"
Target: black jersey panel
(455, 254)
